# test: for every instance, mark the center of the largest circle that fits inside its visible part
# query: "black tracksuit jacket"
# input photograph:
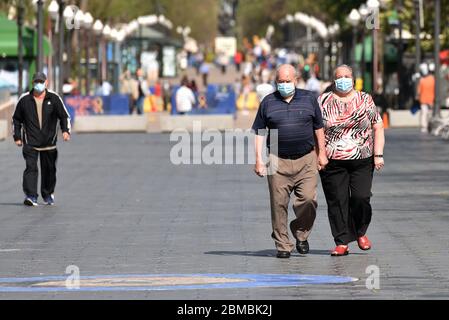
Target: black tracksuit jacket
(26, 122)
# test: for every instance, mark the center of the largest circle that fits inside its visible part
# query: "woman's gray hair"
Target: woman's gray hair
(343, 66)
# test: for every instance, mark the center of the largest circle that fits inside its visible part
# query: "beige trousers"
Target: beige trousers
(299, 176)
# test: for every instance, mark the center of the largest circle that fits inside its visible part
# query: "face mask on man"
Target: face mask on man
(286, 89)
(344, 84)
(39, 87)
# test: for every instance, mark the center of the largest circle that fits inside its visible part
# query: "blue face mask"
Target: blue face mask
(39, 87)
(286, 89)
(344, 84)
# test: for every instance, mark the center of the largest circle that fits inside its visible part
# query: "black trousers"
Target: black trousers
(347, 187)
(48, 171)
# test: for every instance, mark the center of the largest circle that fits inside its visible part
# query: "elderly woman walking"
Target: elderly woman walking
(355, 141)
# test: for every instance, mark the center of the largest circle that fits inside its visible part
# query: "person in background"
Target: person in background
(75, 88)
(265, 88)
(67, 88)
(247, 88)
(185, 99)
(426, 96)
(204, 70)
(238, 59)
(193, 86)
(380, 101)
(128, 87)
(223, 61)
(166, 94)
(313, 84)
(143, 90)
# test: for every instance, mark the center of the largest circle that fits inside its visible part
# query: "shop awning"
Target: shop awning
(9, 40)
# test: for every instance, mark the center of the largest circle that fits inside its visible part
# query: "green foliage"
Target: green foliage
(253, 16)
(199, 15)
(407, 15)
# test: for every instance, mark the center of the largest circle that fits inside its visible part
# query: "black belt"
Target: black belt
(294, 156)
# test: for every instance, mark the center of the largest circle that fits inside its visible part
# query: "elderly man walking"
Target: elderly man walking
(296, 116)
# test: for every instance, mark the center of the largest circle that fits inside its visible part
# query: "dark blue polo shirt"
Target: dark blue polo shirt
(295, 121)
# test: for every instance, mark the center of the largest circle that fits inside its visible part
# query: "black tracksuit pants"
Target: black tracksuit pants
(48, 171)
(347, 187)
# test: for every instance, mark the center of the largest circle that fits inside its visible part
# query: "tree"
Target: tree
(254, 16)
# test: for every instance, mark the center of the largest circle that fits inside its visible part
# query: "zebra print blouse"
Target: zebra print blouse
(348, 126)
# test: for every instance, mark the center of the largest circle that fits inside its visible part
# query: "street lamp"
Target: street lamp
(354, 19)
(364, 12)
(373, 5)
(436, 109)
(87, 23)
(332, 31)
(184, 31)
(418, 25)
(104, 62)
(290, 29)
(20, 10)
(39, 5)
(121, 35)
(68, 15)
(61, 4)
(115, 70)
(79, 18)
(140, 25)
(53, 10)
(98, 30)
(305, 20)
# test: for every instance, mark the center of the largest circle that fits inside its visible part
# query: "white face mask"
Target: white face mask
(344, 84)
(286, 89)
(39, 87)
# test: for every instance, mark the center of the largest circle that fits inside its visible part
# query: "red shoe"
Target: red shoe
(340, 251)
(364, 243)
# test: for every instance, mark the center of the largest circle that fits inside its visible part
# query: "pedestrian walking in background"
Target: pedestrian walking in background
(354, 145)
(185, 99)
(313, 84)
(426, 96)
(67, 88)
(143, 90)
(296, 115)
(223, 61)
(128, 87)
(35, 130)
(238, 59)
(204, 70)
(166, 94)
(381, 102)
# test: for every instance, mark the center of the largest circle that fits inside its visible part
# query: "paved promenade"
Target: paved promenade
(123, 209)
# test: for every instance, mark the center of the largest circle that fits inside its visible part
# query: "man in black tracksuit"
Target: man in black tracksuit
(35, 122)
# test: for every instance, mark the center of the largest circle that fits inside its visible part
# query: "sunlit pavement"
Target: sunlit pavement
(122, 208)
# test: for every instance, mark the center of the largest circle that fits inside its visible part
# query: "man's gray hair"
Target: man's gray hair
(343, 66)
(283, 65)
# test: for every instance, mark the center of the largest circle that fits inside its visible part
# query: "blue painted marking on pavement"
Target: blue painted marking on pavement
(249, 281)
